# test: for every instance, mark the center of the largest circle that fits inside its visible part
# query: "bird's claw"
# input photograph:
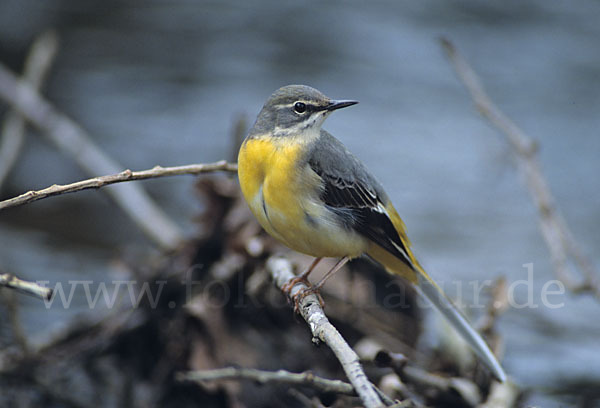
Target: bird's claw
(302, 293)
(287, 288)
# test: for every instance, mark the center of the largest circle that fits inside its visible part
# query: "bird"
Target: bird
(307, 190)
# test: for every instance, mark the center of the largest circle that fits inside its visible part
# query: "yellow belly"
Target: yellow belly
(285, 199)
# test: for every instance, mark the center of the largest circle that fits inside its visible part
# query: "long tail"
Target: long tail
(407, 266)
(435, 294)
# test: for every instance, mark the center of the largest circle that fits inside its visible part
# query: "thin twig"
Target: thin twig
(555, 230)
(263, 377)
(10, 281)
(497, 305)
(126, 175)
(38, 62)
(310, 309)
(72, 139)
(427, 381)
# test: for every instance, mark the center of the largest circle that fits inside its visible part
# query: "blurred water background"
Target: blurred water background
(162, 82)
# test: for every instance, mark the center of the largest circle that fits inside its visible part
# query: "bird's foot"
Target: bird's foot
(302, 293)
(287, 288)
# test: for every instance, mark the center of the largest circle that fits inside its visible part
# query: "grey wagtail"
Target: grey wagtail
(309, 192)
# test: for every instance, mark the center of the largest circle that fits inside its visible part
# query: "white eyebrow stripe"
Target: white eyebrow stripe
(289, 105)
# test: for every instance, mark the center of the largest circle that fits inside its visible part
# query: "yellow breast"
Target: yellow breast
(284, 197)
(267, 173)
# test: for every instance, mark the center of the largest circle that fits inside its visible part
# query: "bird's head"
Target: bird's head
(296, 110)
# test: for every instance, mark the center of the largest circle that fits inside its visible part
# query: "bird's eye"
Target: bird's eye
(300, 107)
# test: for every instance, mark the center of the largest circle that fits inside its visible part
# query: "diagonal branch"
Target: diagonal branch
(310, 309)
(555, 230)
(126, 175)
(73, 140)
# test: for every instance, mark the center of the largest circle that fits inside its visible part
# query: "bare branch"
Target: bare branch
(263, 377)
(554, 229)
(427, 381)
(310, 309)
(32, 288)
(126, 175)
(37, 65)
(497, 305)
(72, 139)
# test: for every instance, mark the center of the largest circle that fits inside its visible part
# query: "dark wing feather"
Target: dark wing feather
(361, 209)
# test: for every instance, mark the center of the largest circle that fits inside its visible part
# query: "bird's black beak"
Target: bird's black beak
(333, 105)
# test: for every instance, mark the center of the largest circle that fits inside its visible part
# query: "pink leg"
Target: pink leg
(302, 278)
(329, 274)
(315, 289)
